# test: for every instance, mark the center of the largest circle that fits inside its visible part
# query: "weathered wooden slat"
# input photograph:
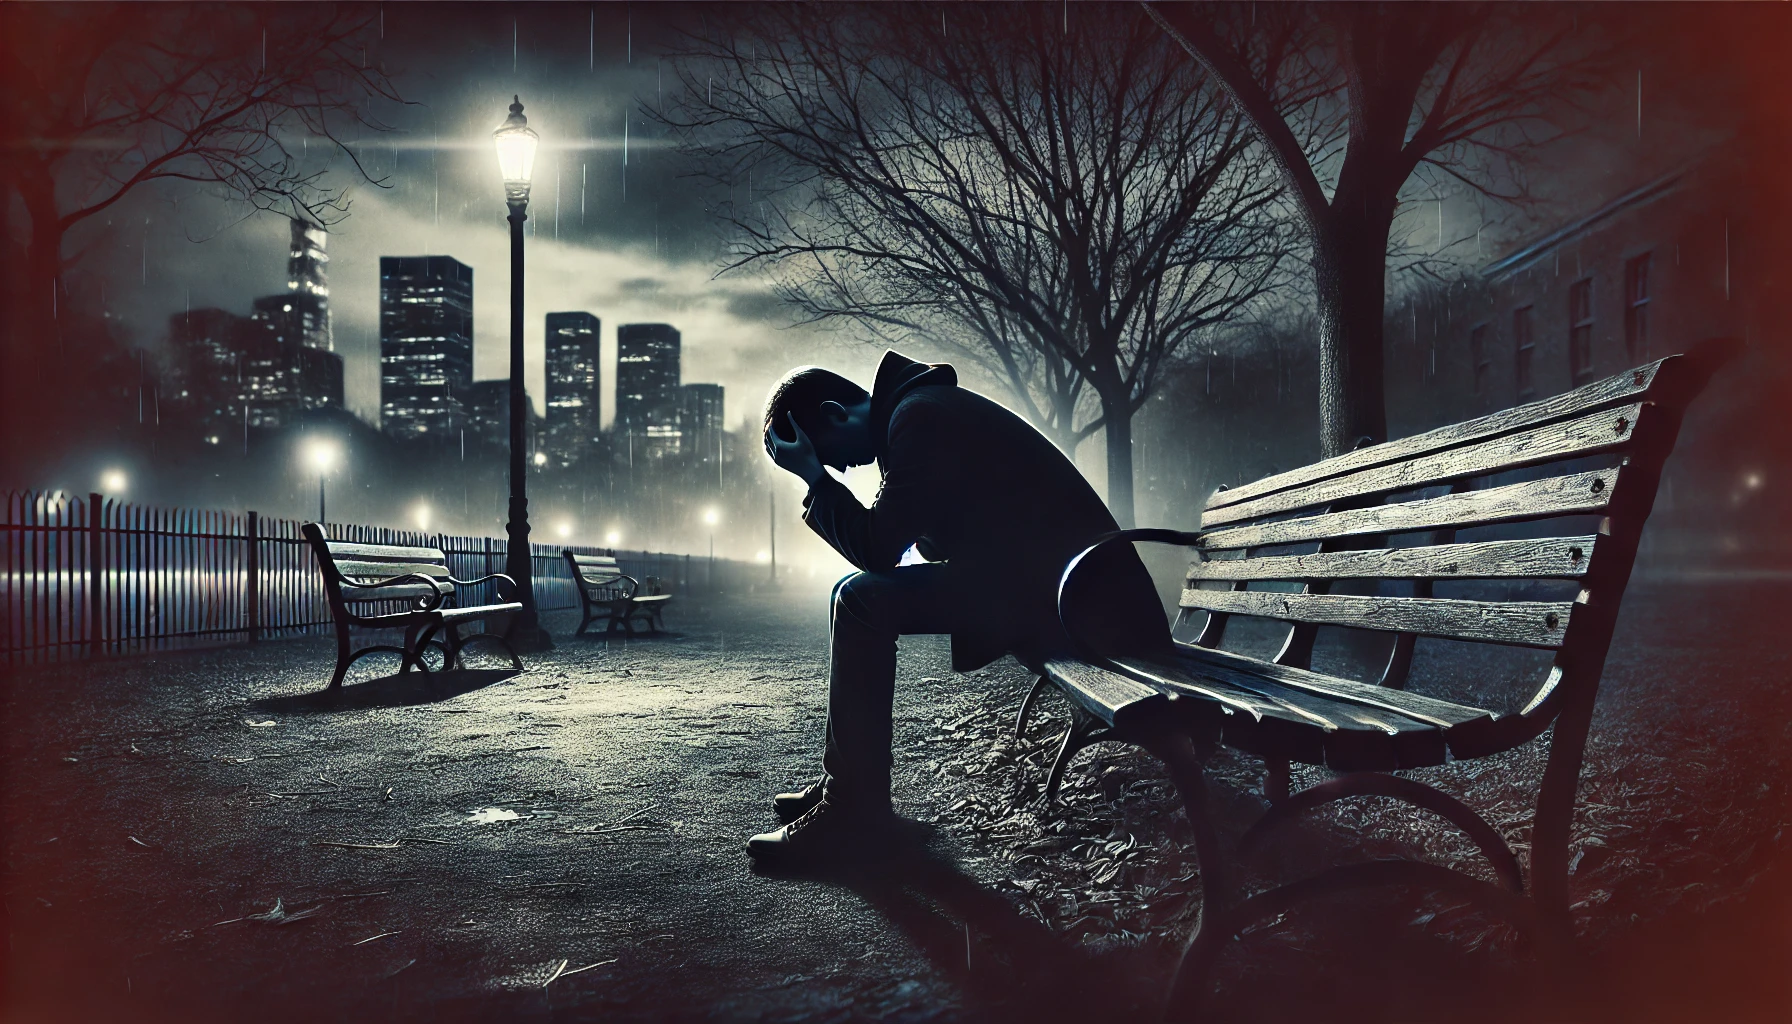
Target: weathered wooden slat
(1629, 386)
(1525, 623)
(1415, 705)
(1110, 696)
(1534, 499)
(1550, 558)
(1357, 735)
(361, 571)
(1598, 432)
(383, 552)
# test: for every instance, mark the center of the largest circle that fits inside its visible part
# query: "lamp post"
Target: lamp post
(516, 161)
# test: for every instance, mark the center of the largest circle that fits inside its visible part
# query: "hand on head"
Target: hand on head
(796, 456)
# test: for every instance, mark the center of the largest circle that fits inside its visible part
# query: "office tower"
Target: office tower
(231, 371)
(308, 288)
(573, 377)
(647, 399)
(488, 414)
(289, 323)
(700, 422)
(426, 345)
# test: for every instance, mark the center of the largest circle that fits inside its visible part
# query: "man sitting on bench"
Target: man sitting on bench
(995, 509)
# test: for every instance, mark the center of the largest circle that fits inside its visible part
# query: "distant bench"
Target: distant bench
(358, 577)
(1365, 540)
(608, 593)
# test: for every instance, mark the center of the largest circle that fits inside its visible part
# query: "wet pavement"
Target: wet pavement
(199, 836)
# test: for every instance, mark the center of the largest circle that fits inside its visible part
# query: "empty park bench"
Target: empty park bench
(608, 593)
(1517, 528)
(381, 586)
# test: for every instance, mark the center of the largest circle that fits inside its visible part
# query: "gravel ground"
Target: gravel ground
(195, 836)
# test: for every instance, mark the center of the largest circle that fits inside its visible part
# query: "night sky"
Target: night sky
(629, 244)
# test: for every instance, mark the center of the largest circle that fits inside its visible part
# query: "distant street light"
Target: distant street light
(322, 454)
(541, 458)
(516, 143)
(712, 517)
(114, 480)
(564, 529)
(423, 516)
(613, 538)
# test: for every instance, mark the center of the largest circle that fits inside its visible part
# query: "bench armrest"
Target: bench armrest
(424, 604)
(503, 582)
(1070, 595)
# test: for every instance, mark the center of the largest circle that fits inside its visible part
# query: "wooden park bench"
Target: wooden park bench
(1518, 528)
(380, 586)
(608, 593)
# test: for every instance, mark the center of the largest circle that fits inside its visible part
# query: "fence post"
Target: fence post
(96, 630)
(252, 592)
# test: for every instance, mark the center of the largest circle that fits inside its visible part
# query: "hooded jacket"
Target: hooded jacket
(971, 484)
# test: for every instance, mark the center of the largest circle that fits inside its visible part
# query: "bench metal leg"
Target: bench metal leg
(1026, 705)
(1493, 845)
(1084, 730)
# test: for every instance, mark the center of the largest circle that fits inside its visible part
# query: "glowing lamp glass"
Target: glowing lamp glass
(516, 152)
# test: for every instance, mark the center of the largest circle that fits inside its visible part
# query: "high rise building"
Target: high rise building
(647, 398)
(573, 377)
(308, 288)
(488, 414)
(700, 422)
(426, 345)
(232, 371)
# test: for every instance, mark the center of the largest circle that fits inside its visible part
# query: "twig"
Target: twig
(558, 970)
(611, 827)
(370, 938)
(587, 967)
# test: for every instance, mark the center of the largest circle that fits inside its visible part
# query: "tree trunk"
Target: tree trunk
(1118, 431)
(1349, 272)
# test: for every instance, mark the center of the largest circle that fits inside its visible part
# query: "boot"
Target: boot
(791, 806)
(826, 833)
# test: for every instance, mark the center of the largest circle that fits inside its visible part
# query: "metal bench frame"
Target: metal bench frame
(1161, 704)
(624, 605)
(432, 612)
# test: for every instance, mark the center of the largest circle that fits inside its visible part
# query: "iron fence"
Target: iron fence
(96, 575)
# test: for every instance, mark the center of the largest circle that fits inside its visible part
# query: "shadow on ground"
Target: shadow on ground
(401, 690)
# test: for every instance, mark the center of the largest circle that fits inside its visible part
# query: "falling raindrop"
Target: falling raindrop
(264, 50)
(436, 173)
(582, 182)
(631, 37)
(513, 37)
(591, 43)
(382, 21)
(557, 199)
(1639, 104)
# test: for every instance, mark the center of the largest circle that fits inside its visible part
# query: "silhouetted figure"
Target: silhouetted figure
(996, 510)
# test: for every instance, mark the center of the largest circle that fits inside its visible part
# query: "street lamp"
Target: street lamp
(322, 455)
(516, 162)
(114, 480)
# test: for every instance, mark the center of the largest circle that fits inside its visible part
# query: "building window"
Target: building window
(1479, 358)
(1524, 348)
(1636, 306)
(1580, 329)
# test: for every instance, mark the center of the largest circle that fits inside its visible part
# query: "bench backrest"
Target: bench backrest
(600, 576)
(1580, 469)
(369, 563)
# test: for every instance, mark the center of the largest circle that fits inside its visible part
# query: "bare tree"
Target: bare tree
(1063, 197)
(1462, 88)
(249, 100)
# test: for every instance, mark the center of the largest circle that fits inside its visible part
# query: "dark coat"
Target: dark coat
(970, 483)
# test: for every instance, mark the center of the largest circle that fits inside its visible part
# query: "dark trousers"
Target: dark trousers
(870, 610)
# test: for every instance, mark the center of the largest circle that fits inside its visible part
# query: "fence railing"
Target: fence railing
(82, 576)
